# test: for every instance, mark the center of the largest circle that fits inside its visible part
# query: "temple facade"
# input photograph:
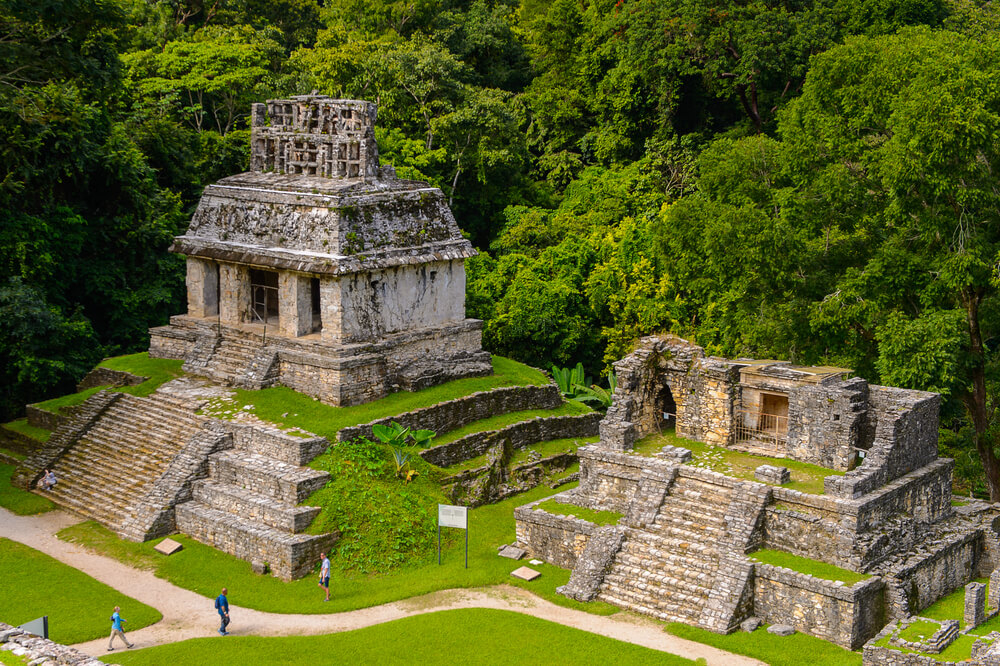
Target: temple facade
(321, 270)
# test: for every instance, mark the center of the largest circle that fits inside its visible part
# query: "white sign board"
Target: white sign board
(453, 516)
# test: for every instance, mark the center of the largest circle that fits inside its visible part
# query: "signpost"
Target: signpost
(39, 627)
(454, 516)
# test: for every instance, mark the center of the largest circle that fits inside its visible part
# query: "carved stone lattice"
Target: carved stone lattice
(315, 135)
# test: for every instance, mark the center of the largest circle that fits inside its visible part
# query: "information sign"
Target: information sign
(454, 516)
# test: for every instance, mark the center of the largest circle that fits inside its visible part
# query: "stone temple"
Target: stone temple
(683, 547)
(320, 270)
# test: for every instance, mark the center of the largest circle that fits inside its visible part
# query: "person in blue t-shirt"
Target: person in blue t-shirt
(222, 605)
(116, 630)
(324, 575)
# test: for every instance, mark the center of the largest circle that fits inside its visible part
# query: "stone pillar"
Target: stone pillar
(994, 594)
(234, 293)
(331, 309)
(202, 287)
(975, 605)
(294, 304)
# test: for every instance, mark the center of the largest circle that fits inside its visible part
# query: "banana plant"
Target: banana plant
(393, 434)
(596, 395)
(568, 379)
(400, 458)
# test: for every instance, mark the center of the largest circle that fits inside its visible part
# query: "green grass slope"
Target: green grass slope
(467, 636)
(33, 584)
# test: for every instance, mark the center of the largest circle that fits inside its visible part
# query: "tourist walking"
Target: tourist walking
(116, 630)
(324, 575)
(222, 605)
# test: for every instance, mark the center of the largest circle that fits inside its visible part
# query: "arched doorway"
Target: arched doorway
(666, 409)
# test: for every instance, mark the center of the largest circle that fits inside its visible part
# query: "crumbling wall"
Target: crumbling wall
(559, 540)
(845, 615)
(905, 439)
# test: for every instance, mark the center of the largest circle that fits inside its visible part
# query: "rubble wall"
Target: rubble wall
(841, 614)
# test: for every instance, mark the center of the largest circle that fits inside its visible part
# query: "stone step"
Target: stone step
(289, 555)
(700, 491)
(683, 547)
(266, 476)
(681, 531)
(253, 506)
(662, 584)
(693, 567)
(104, 513)
(681, 506)
(668, 612)
(101, 444)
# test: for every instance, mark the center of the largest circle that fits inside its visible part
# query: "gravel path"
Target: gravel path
(189, 615)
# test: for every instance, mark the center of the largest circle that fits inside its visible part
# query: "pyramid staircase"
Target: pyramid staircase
(236, 358)
(669, 568)
(109, 471)
(248, 506)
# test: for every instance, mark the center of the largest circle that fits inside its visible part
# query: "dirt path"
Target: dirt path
(189, 615)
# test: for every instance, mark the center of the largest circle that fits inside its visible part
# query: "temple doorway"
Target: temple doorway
(263, 296)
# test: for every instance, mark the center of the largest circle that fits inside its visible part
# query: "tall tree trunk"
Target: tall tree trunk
(976, 399)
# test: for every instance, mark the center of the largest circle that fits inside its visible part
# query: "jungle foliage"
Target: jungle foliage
(813, 180)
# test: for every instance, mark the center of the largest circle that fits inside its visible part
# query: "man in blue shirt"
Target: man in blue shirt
(116, 630)
(222, 605)
(324, 575)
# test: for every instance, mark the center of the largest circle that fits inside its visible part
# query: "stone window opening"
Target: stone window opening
(317, 319)
(263, 296)
(666, 409)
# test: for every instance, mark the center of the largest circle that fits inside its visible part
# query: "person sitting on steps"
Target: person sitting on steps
(48, 480)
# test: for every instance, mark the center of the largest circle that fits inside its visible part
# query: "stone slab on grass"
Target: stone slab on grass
(525, 573)
(781, 630)
(168, 547)
(512, 552)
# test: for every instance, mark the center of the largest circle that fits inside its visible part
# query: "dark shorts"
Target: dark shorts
(325, 582)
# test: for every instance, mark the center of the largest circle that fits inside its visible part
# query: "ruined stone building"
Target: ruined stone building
(320, 270)
(680, 551)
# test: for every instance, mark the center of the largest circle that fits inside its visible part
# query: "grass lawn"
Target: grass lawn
(952, 607)
(22, 426)
(918, 631)
(204, 570)
(582, 512)
(807, 566)
(159, 371)
(20, 501)
(793, 650)
(9, 659)
(805, 477)
(466, 636)
(33, 584)
(288, 408)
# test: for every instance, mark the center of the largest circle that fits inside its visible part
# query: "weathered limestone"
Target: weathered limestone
(975, 605)
(36, 650)
(349, 281)
(687, 530)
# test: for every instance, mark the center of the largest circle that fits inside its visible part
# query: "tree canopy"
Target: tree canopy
(814, 180)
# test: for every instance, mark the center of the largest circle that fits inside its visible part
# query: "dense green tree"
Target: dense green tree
(40, 349)
(869, 235)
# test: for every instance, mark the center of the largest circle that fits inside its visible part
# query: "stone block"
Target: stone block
(772, 474)
(975, 605)
(168, 547)
(511, 552)
(750, 624)
(994, 590)
(525, 573)
(781, 630)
